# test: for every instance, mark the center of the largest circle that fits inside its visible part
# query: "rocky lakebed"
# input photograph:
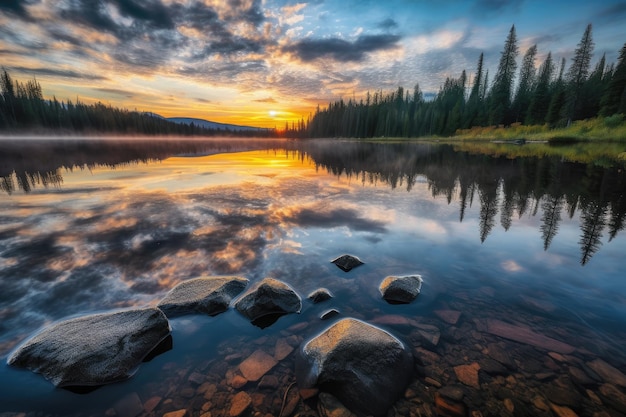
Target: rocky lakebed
(469, 357)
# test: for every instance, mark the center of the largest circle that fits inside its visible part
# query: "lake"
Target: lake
(522, 309)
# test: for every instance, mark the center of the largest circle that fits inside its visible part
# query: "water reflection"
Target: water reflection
(493, 237)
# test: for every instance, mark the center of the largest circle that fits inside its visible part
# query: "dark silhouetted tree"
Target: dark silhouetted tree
(540, 101)
(577, 75)
(501, 90)
(525, 85)
(614, 99)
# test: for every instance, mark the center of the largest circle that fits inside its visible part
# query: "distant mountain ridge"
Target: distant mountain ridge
(207, 124)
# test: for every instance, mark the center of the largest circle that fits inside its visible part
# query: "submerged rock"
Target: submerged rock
(401, 289)
(268, 297)
(365, 367)
(320, 295)
(93, 350)
(347, 262)
(210, 295)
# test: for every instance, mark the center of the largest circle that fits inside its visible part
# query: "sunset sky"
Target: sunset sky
(263, 62)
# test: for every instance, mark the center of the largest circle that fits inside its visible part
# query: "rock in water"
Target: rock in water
(347, 262)
(210, 295)
(268, 297)
(93, 350)
(401, 289)
(365, 367)
(320, 295)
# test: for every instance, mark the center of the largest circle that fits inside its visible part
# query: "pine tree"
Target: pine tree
(540, 102)
(557, 102)
(577, 74)
(525, 85)
(614, 99)
(475, 97)
(500, 98)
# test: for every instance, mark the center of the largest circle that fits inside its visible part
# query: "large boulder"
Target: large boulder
(209, 295)
(365, 367)
(268, 297)
(93, 350)
(401, 289)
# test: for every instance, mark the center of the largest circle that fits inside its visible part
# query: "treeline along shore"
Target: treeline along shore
(23, 109)
(549, 98)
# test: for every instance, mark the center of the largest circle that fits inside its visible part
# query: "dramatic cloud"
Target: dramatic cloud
(14, 7)
(340, 49)
(59, 73)
(300, 54)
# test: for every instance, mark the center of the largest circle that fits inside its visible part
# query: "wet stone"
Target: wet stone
(444, 407)
(500, 354)
(492, 367)
(282, 349)
(196, 378)
(613, 397)
(452, 392)
(239, 404)
(177, 413)
(432, 382)
(468, 374)
(426, 356)
(209, 295)
(329, 314)
(306, 393)
(562, 396)
(562, 411)
(523, 334)
(449, 316)
(429, 333)
(607, 372)
(268, 297)
(320, 295)
(401, 289)
(347, 262)
(237, 381)
(269, 381)
(580, 377)
(540, 404)
(151, 404)
(95, 349)
(257, 365)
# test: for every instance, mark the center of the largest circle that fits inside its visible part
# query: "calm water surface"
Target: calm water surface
(535, 243)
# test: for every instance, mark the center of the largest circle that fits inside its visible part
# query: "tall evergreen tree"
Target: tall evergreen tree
(475, 97)
(540, 101)
(614, 99)
(525, 85)
(557, 102)
(577, 74)
(500, 97)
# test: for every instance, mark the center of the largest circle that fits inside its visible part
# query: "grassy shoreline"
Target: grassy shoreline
(612, 129)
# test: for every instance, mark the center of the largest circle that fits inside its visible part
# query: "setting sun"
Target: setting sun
(273, 113)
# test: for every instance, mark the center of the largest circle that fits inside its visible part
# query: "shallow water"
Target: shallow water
(537, 243)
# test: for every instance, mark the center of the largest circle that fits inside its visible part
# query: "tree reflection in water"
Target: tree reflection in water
(510, 186)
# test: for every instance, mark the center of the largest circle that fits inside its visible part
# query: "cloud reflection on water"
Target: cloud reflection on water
(128, 245)
(268, 213)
